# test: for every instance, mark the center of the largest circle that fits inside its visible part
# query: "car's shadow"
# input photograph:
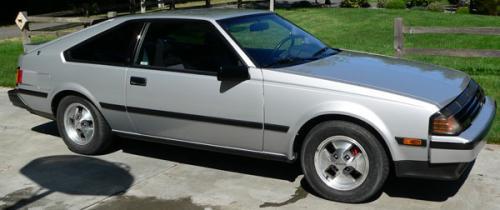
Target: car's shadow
(49, 128)
(69, 174)
(429, 190)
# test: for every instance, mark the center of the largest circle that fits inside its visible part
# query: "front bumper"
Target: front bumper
(450, 156)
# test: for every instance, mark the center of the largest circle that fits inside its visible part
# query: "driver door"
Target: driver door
(173, 91)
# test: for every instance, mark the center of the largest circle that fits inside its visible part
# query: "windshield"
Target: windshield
(271, 41)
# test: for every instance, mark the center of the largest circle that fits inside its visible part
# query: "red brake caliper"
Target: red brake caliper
(354, 151)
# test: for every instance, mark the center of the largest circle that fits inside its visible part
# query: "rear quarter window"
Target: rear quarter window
(112, 47)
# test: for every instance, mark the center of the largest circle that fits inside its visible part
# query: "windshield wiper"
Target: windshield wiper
(292, 60)
(321, 51)
(287, 60)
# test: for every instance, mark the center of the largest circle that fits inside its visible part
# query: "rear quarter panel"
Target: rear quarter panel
(46, 70)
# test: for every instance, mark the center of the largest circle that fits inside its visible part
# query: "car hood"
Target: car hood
(434, 84)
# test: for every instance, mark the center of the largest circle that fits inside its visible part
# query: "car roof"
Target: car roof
(203, 14)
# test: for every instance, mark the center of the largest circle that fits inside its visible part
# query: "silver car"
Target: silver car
(248, 82)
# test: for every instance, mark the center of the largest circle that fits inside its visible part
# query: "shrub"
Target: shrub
(395, 4)
(435, 7)
(413, 3)
(381, 3)
(462, 10)
(302, 4)
(349, 4)
(354, 3)
(484, 7)
(419, 8)
(419, 3)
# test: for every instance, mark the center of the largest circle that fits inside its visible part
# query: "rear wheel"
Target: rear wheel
(82, 127)
(343, 161)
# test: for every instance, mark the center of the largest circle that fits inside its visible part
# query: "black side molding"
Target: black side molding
(454, 146)
(33, 93)
(192, 117)
(278, 128)
(113, 107)
(199, 118)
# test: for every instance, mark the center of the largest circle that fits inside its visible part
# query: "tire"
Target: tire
(77, 133)
(351, 182)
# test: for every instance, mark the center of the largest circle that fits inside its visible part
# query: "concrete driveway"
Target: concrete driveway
(37, 171)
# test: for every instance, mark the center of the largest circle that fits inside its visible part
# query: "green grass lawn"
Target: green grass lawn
(370, 30)
(9, 52)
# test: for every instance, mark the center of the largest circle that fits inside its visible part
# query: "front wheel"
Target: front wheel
(344, 162)
(82, 126)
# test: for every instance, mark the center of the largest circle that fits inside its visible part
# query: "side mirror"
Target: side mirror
(233, 73)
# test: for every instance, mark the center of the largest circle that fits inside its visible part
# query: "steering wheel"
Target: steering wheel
(276, 54)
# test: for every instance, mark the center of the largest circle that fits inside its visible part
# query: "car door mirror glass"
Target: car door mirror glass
(233, 73)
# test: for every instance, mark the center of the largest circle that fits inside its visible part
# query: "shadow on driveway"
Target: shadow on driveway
(49, 128)
(70, 174)
(233, 163)
(429, 190)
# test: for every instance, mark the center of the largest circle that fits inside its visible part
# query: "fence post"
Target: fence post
(132, 7)
(239, 3)
(398, 36)
(161, 4)
(26, 34)
(172, 5)
(111, 14)
(143, 6)
(207, 3)
(271, 5)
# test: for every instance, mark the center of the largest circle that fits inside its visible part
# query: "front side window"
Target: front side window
(271, 41)
(185, 45)
(113, 47)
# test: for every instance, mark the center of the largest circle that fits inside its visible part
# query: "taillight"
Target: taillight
(19, 76)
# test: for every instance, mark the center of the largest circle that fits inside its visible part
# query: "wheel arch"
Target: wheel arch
(361, 116)
(303, 131)
(68, 90)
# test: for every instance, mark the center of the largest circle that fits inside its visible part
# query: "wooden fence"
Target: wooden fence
(64, 25)
(400, 30)
(59, 25)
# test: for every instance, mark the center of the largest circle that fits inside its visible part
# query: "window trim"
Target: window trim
(148, 22)
(68, 58)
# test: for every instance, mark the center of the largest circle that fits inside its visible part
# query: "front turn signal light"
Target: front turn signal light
(413, 142)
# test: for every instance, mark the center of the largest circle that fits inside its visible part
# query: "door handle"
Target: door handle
(138, 81)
